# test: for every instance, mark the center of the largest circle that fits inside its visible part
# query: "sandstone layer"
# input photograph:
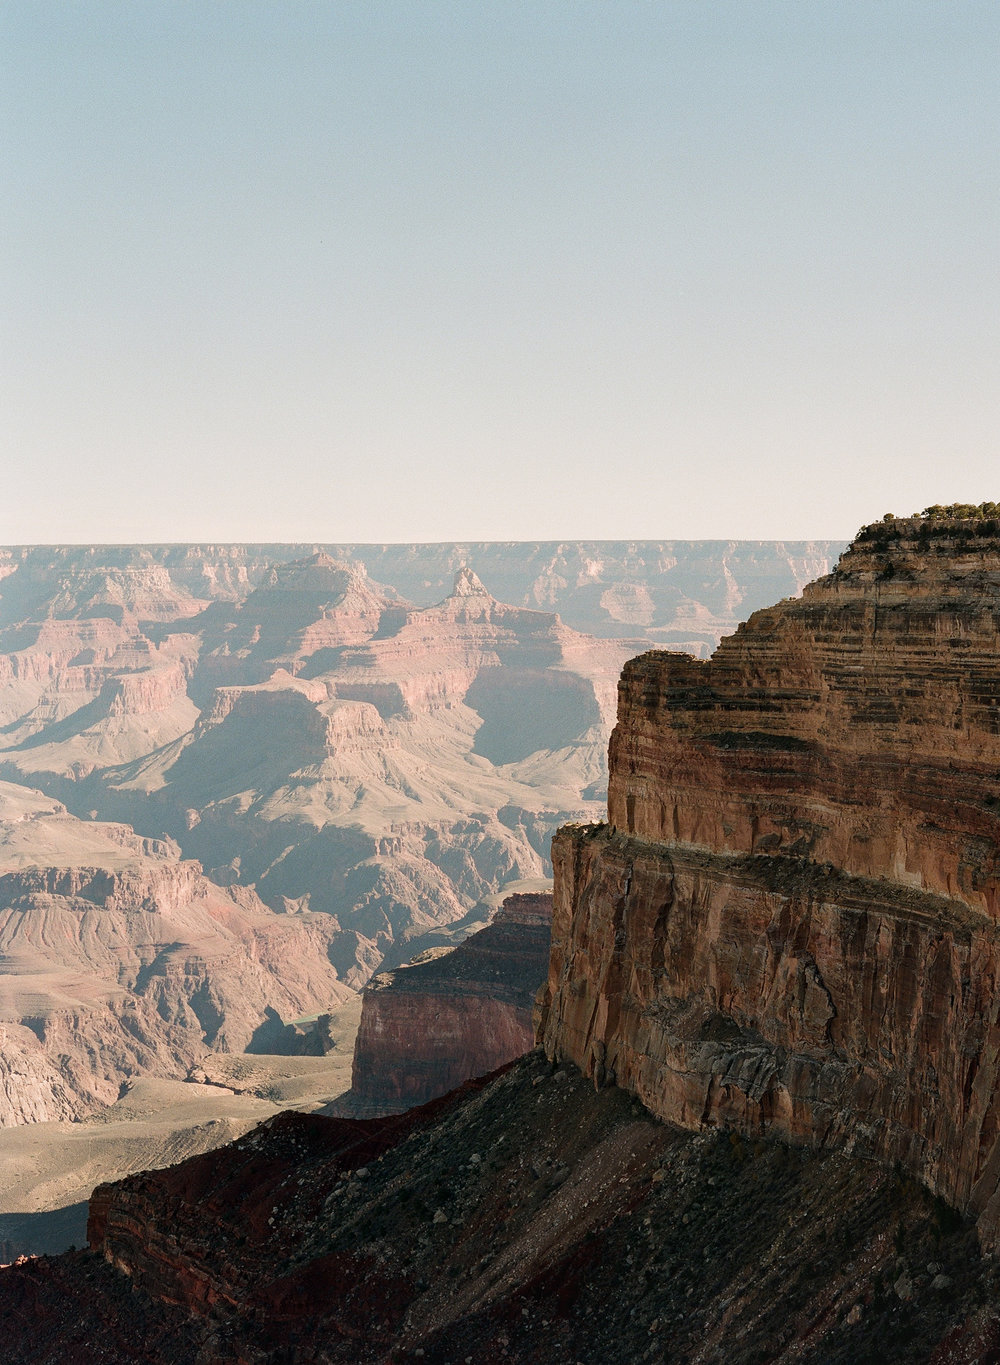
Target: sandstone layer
(453, 1014)
(790, 923)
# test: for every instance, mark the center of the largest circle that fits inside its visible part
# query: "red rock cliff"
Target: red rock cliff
(790, 922)
(430, 1026)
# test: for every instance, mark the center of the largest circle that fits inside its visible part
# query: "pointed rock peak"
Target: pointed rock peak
(467, 584)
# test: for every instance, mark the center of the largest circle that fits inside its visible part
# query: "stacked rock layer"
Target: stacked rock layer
(790, 922)
(452, 1015)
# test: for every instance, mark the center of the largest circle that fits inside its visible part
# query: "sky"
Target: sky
(301, 270)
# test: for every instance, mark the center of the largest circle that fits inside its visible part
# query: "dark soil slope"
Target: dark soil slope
(527, 1219)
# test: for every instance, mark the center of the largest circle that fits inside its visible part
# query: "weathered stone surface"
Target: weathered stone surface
(790, 922)
(857, 725)
(459, 1013)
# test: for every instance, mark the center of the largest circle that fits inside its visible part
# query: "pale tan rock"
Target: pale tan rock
(118, 959)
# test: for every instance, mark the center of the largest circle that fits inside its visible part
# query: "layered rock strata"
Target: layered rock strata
(790, 923)
(458, 1013)
(303, 732)
(120, 959)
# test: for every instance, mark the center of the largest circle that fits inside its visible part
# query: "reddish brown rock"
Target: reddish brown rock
(458, 1013)
(790, 923)
(523, 1219)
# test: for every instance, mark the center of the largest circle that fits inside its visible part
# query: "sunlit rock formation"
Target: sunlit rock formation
(309, 735)
(790, 923)
(453, 1014)
(119, 959)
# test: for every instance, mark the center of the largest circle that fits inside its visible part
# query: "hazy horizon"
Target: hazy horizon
(440, 272)
(319, 544)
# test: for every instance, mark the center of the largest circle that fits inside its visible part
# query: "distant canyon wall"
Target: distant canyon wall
(675, 593)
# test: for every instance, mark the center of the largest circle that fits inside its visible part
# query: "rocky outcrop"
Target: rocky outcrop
(526, 1219)
(790, 923)
(452, 1014)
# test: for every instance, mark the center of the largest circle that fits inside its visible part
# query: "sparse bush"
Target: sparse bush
(959, 511)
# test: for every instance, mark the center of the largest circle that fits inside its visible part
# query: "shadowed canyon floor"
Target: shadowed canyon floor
(47, 1170)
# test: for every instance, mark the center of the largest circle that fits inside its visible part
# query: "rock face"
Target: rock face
(790, 923)
(119, 959)
(458, 1013)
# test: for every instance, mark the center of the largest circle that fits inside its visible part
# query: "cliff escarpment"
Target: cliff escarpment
(790, 922)
(453, 1014)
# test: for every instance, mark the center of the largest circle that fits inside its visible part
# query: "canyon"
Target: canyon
(360, 730)
(761, 1124)
(118, 959)
(236, 781)
(317, 741)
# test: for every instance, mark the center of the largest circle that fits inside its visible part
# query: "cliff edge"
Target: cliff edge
(450, 1015)
(789, 923)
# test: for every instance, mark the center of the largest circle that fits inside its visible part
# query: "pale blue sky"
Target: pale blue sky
(434, 271)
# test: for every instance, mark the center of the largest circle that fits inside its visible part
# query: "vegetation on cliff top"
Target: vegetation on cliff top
(956, 520)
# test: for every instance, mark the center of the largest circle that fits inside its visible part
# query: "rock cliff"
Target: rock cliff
(790, 923)
(453, 1014)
